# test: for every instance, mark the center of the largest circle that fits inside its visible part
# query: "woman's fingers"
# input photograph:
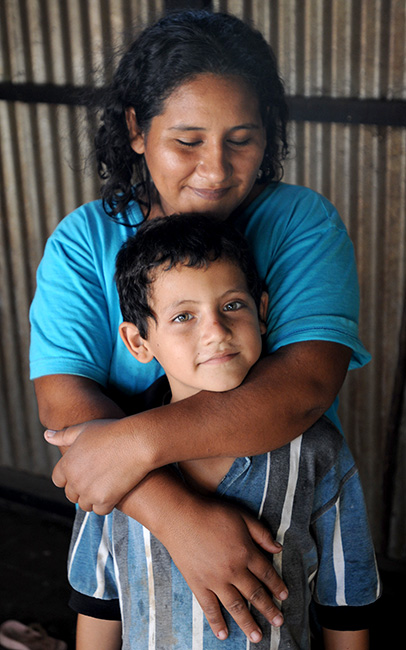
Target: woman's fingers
(238, 609)
(257, 595)
(260, 534)
(85, 505)
(71, 495)
(259, 565)
(212, 611)
(268, 576)
(235, 601)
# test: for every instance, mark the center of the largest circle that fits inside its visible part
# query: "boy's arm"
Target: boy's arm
(283, 395)
(97, 633)
(338, 640)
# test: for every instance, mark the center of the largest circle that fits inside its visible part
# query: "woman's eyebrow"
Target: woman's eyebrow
(187, 127)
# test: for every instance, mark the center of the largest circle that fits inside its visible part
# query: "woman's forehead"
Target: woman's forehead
(199, 93)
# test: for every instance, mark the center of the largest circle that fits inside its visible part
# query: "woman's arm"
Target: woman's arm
(282, 396)
(218, 562)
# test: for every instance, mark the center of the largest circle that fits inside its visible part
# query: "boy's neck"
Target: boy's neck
(178, 395)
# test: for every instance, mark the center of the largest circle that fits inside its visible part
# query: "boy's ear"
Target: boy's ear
(262, 311)
(135, 343)
(135, 133)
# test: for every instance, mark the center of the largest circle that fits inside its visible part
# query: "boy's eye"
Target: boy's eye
(182, 318)
(233, 306)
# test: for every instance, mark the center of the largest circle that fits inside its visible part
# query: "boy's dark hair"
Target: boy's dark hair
(165, 55)
(192, 240)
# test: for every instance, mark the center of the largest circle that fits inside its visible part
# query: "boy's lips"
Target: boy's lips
(220, 357)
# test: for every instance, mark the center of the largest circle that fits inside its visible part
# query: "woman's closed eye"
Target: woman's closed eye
(186, 143)
(239, 143)
(196, 143)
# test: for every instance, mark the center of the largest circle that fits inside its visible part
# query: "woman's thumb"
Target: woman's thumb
(58, 438)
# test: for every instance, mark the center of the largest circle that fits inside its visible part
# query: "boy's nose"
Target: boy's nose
(216, 330)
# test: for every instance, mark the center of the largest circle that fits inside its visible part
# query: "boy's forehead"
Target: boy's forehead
(217, 276)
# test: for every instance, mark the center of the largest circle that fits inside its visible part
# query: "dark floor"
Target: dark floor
(35, 521)
(33, 549)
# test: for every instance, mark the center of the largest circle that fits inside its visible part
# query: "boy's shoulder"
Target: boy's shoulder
(326, 454)
(155, 395)
(323, 437)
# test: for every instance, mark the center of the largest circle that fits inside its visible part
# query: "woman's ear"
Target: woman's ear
(135, 343)
(135, 133)
(262, 311)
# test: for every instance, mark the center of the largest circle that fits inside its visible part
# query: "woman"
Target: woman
(194, 120)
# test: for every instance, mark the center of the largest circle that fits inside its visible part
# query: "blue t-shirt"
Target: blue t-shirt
(302, 251)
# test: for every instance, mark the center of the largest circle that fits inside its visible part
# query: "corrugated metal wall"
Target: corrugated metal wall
(338, 48)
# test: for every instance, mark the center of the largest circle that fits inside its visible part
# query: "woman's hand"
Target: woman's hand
(215, 547)
(93, 470)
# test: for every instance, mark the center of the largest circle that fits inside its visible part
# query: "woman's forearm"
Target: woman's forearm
(282, 396)
(65, 400)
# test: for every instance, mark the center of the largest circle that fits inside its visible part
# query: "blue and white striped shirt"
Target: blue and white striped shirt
(309, 495)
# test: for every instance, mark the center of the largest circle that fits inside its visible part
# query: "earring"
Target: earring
(259, 174)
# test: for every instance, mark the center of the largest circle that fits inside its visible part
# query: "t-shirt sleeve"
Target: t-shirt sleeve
(91, 570)
(306, 258)
(70, 322)
(108, 610)
(347, 583)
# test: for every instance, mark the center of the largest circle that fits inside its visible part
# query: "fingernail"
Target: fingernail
(283, 595)
(49, 433)
(277, 621)
(255, 636)
(222, 635)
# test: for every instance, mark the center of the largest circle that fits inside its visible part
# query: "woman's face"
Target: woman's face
(205, 149)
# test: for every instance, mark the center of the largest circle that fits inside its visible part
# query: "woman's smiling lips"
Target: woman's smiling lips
(210, 195)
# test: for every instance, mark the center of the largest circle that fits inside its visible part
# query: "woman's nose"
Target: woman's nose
(214, 165)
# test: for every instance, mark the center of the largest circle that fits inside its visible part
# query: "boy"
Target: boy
(191, 298)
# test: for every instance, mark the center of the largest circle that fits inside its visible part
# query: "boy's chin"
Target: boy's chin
(211, 387)
(224, 386)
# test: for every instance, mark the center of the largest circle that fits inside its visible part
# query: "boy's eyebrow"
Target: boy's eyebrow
(186, 127)
(190, 301)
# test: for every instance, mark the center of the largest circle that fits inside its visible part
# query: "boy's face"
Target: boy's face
(207, 332)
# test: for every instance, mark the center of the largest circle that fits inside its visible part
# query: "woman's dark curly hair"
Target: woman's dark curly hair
(175, 49)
